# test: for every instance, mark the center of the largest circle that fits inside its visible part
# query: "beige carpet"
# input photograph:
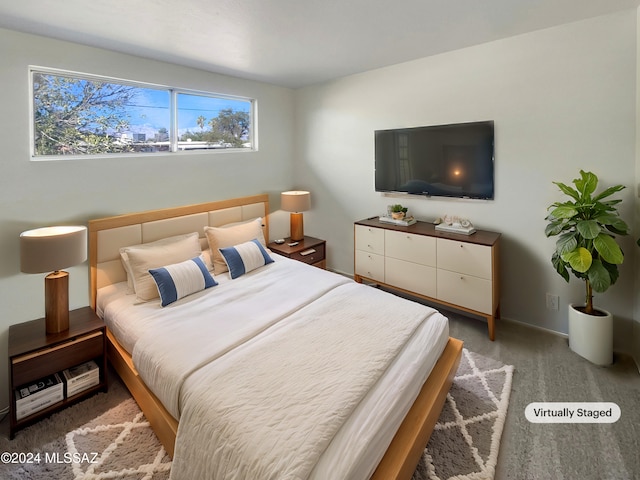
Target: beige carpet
(119, 444)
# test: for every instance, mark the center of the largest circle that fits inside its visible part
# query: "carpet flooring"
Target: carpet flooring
(547, 371)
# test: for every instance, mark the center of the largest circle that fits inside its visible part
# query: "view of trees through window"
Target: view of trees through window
(76, 115)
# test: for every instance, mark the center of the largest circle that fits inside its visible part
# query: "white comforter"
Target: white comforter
(265, 371)
(279, 402)
(202, 329)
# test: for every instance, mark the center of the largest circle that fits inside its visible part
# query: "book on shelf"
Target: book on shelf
(81, 377)
(38, 395)
(405, 222)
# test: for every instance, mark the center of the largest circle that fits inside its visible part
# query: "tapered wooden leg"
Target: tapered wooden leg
(491, 321)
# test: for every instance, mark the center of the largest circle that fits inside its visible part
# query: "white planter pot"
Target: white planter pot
(591, 336)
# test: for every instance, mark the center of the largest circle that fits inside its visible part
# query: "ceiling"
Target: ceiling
(292, 43)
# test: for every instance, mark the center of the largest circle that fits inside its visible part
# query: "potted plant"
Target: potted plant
(586, 226)
(398, 211)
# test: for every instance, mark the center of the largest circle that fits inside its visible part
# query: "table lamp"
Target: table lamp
(296, 201)
(52, 249)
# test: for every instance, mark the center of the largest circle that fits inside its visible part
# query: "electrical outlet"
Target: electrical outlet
(553, 301)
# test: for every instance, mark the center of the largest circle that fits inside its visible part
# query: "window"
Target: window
(80, 115)
(212, 122)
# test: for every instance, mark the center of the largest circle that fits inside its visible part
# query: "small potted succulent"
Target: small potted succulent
(586, 226)
(398, 211)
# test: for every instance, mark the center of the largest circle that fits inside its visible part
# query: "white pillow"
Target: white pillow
(181, 279)
(244, 258)
(139, 259)
(230, 235)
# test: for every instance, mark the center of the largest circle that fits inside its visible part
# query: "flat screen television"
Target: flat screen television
(442, 160)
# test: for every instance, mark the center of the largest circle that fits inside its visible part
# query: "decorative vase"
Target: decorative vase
(591, 336)
(397, 215)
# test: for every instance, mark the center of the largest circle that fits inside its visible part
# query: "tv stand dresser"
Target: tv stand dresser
(452, 269)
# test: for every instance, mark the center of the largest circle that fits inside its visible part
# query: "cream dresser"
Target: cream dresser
(460, 271)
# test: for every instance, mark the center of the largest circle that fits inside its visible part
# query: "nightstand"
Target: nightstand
(34, 354)
(308, 250)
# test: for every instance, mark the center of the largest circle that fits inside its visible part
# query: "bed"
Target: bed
(256, 376)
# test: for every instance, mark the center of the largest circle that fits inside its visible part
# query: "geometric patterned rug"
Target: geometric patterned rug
(102, 451)
(119, 443)
(465, 441)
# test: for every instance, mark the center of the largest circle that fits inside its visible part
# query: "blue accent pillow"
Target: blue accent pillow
(181, 279)
(245, 257)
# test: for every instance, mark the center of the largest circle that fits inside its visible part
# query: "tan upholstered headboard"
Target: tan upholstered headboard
(108, 235)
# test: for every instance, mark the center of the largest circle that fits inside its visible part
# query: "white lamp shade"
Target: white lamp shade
(295, 201)
(52, 248)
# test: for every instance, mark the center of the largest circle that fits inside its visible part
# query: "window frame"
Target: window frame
(173, 117)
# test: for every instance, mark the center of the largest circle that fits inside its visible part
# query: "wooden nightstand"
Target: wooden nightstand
(309, 250)
(34, 354)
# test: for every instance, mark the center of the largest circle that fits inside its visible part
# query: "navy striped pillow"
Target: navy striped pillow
(245, 257)
(181, 279)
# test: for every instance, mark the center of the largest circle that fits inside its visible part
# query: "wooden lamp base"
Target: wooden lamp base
(56, 301)
(297, 227)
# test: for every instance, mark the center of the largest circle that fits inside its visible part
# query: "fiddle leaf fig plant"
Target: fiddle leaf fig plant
(586, 226)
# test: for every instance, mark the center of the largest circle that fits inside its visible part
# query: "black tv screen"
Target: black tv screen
(442, 160)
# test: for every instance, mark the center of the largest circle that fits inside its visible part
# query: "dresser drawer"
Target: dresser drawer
(463, 257)
(410, 276)
(412, 248)
(465, 290)
(370, 265)
(34, 365)
(310, 257)
(369, 239)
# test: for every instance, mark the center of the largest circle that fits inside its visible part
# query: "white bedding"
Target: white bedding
(178, 350)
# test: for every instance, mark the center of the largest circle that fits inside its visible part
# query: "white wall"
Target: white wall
(34, 194)
(562, 99)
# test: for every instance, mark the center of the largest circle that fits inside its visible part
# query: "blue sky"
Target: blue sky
(153, 112)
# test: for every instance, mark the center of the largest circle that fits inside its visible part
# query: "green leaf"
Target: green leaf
(613, 223)
(560, 266)
(580, 259)
(564, 211)
(613, 271)
(589, 229)
(566, 243)
(608, 249)
(599, 277)
(608, 192)
(568, 190)
(610, 203)
(586, 184)
(554, 228)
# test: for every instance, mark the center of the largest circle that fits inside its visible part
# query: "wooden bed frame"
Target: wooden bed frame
(405, 450)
